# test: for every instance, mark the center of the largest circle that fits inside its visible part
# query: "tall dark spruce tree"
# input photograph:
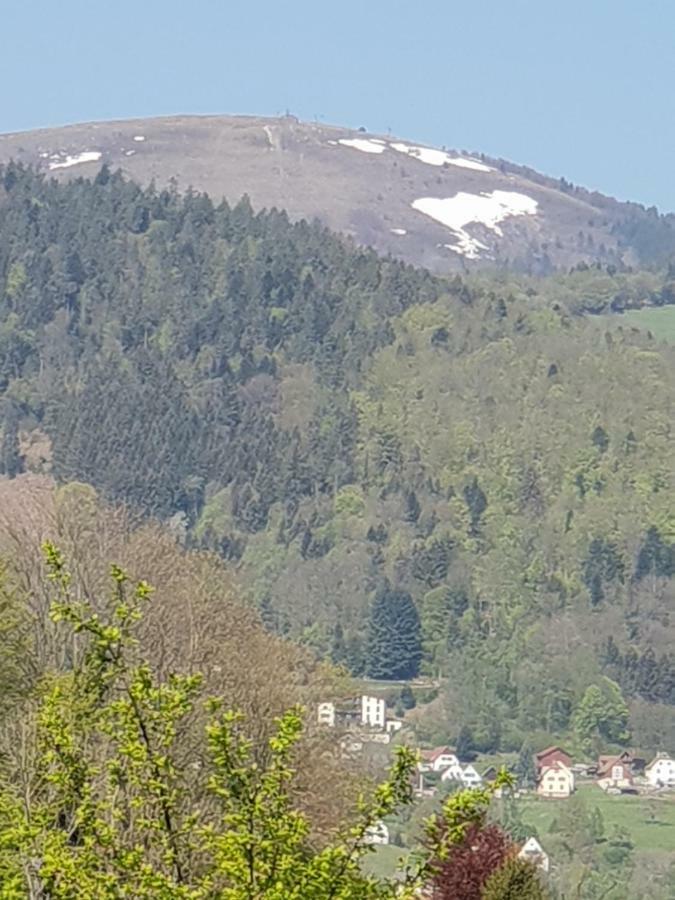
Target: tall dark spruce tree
(655, 558)
(394, 641)
(11, 462)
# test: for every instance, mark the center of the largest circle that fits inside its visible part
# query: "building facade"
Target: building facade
(555, 781)
(661, 771)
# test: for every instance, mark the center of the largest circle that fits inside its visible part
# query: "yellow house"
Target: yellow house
(555, 781)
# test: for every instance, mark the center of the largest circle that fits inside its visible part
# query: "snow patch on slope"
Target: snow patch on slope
(487, 209)
(434, 157)
(363, 144)
(86, 156)
(399, 231)
(468, 162)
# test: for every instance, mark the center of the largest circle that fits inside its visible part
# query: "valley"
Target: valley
(389, 419)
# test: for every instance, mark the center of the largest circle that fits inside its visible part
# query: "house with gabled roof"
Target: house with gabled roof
(555, 781)
(551, 755)
(625, 757)
(467, 776)
(438, 759)
(490, 774)
(470, 777)
(534, 853)
(453, 773)
(615, 773)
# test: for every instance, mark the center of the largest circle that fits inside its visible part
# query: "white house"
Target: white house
(377, 834)
(661, 771)
(470, 777)
(438, 759)
(326, 714)
(555, 780)
(393, 725)
(533, 852)
(373, 711)
(453, 773)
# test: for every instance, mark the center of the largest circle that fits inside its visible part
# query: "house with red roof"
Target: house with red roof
(550, 756)
(615, 772)
(438, 759)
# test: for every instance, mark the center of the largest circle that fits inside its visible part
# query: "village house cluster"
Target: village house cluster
(364, 719)
(443, 763)
(622, 773)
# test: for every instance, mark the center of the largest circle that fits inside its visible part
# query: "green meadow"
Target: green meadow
(650, 821)
(659, 320)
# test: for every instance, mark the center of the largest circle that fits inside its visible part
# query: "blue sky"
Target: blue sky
(580, 89)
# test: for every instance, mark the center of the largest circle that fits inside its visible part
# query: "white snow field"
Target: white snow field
(139, 137)
(439, 157)
(363, 144)
(427, 155)
(399, 231)
(487, 209)
(86, 156)
(468, 162)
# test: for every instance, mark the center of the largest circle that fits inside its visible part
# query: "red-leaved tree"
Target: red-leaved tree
(466, 865)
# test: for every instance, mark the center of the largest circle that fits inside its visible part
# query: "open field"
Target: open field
(650, 821)
(384, 860)
(659, 320)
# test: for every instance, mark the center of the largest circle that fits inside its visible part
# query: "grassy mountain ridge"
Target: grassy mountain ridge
(367, 194)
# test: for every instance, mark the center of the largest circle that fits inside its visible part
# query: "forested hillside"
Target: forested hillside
(464, 478)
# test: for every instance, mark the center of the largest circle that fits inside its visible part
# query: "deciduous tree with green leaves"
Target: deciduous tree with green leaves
(118, 809)
(11, 462)
(601, 716)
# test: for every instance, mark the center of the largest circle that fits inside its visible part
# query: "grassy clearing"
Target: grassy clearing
(649, 821)
(659, 320)
(384, 860)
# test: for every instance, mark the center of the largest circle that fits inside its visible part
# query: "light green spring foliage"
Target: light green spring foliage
(601, 716)
(116, 809)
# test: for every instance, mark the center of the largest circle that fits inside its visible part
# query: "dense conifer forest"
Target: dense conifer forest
(408, 475)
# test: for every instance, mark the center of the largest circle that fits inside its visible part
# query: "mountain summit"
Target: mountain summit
(448, 210)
